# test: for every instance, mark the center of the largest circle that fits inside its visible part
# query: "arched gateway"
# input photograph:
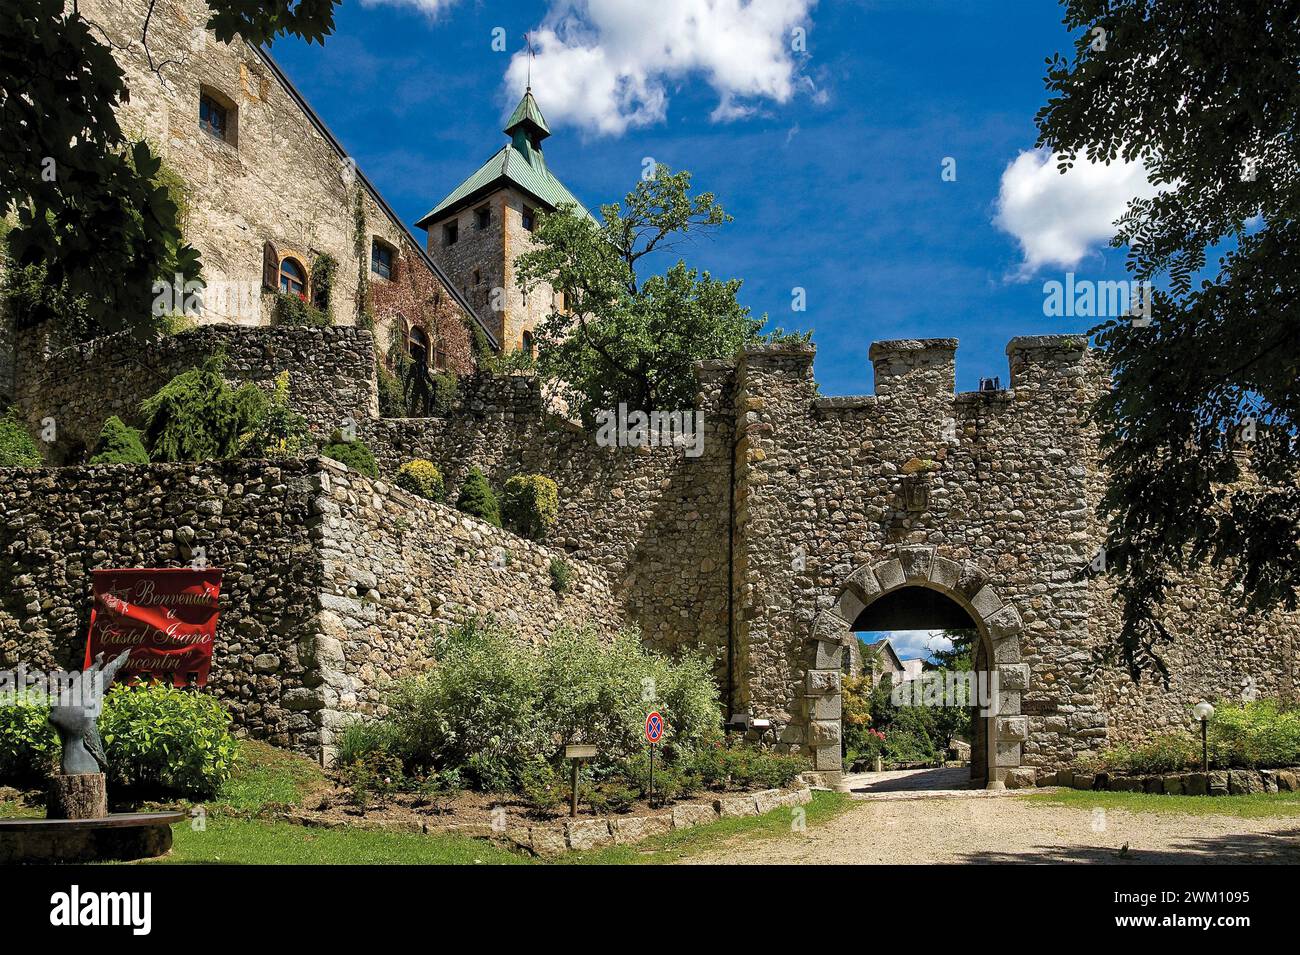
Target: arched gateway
(1001, 735)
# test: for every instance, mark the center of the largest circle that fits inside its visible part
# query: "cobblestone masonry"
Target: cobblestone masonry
(332, 584)
(331, 376)
(764, 558)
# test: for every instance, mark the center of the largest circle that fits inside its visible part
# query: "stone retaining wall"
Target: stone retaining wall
(1218, 782)
(331, 376)
(333, 583)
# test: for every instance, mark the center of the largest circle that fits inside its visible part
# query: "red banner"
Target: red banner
(167, 618)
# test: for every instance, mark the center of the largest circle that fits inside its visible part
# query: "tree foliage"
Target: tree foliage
(119, 444)
(619, 338)
(1207, 95)
(477, 498)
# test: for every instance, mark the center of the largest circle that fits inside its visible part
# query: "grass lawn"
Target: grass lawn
(1257, 806)
(261, 842)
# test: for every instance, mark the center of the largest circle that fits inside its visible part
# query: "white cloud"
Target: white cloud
(607, 65)
(1058, 219)
(913, 644)
(430, 8)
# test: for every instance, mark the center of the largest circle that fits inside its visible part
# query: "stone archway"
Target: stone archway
(964, 583)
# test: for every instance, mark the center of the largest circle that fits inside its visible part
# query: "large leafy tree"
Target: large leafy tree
(618, 337)
(89, 208)
(1199, 429)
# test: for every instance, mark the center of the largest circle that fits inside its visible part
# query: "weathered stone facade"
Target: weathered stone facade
(333, 583)
(277, 179)
(801, 518)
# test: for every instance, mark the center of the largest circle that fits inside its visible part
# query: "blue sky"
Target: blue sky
(827, 146)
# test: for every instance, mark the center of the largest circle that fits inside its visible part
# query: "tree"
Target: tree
(618, 338)
(1207, 95)
(88, 207)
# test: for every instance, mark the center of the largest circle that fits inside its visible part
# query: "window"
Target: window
(483, 217)
(528, 219)
(449, 233)
(478, 276)
(528, 347)
(293, 277)
(214, 119)
(381, 259)
(440, 362)
(417, 345)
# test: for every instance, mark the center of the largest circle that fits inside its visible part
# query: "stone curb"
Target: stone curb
(583, 834)
(1217, 782)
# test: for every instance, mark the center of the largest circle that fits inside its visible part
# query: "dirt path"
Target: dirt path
(1008, 829)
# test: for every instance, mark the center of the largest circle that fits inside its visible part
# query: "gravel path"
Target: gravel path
(1009, 829)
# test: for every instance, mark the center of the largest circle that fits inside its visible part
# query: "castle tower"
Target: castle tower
(478, 230)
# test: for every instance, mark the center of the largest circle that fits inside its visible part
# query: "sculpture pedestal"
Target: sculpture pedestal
(77, 797)
(120, 837)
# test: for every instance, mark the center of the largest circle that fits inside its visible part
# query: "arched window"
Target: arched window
(293, 277)
(417, 345)
(528, 345)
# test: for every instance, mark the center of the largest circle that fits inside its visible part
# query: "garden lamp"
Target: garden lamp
(1203, 711)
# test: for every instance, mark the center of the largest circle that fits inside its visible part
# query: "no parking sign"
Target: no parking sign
(654, 727)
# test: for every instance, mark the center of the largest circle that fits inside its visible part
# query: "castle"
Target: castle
(802, 520)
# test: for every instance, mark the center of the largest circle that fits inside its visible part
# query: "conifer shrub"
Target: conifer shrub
(355, 454)
(530, 505)
(294, 311)
(119, 444)
(423, 479)
(17, 448)
(198, 416)
(281, 432)
(477, 498)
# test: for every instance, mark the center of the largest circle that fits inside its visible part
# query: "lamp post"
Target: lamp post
(1203, 711)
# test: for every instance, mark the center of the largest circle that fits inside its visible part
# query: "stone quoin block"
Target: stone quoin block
(986, 602)
(863, 581)
(823, 732)
(1013, 728)
(827, 707)
(1013, 677)
(1005, 624)
(821, 682)
(828, 656)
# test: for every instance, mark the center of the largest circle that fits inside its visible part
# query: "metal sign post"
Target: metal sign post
(654, 731)
(576, 753)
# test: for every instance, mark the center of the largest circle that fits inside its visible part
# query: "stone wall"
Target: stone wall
(333, 583)
(1008, 531)
(655, 519)
(396, 569)
(252, 519)
(331, 376)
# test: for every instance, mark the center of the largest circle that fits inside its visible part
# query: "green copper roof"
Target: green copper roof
(528, 112)
(519, 163)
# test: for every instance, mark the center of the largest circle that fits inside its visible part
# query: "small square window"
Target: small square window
(528, 219)
(483, 217)
(213, 118)
(381, 259)
(450, 233)
(478, 276)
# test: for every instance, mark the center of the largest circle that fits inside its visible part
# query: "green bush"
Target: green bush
(294, 311)
(197, 416)
(492, 704)
(281, 432)
(159, 741)
(354, 454)
(741, 766)
(530, 505)
(1258, 734)
(423, 479)
(363, 737)
(445, 387)
(162, 739)
(17, 448)
(1168, 753)
(119, 444)
(28, 744)
(561, 575)
(392, 396)
(376, 774)
(476, 498)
